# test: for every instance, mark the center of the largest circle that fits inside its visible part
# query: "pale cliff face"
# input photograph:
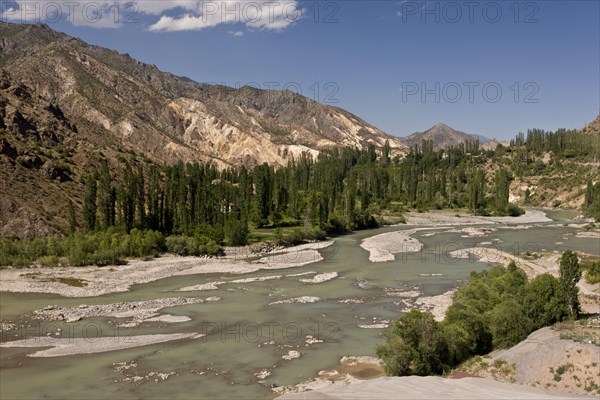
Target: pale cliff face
(167, 118)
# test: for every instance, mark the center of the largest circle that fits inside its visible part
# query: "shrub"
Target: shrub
(109, 247)
(236, 233)
(593, 273)
(191, 246)
(497, 308)
(415, 346)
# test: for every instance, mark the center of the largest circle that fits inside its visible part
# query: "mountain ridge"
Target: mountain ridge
(181, 118)
(66, 105)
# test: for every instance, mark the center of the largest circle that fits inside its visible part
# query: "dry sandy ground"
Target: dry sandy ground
(448, 218)
(436, 305)
(73, 346)
(541, 355)
(382, 247)
(429, 387)
(100, 281)
(350, 369)
(139, 311)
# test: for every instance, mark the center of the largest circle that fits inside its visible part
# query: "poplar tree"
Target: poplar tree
(71, 217)
(570, 274)
(89, 203)
(105, 196)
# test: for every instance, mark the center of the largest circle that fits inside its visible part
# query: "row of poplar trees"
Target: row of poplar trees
(339, 190)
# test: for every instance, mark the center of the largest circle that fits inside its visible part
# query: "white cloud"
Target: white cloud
(173, 15)
(157, 7)
(236, 33)
(258, 15)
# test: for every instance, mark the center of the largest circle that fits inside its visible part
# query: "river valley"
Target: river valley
(247, 333)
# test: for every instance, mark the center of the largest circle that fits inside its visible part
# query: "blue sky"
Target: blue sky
(401, 65)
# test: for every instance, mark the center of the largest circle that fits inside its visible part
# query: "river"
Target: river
(247, 335)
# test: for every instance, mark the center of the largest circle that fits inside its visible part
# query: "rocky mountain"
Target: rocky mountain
(493, 144)
(442, 136)
(593, 128)
(65, 105)
(111, 96)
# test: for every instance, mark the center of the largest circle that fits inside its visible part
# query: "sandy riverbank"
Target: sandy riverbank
(383, 247)
(74, 346)
(136, 311)
(98, 281)
(351, 369)
(436, 305)
(427, 387)
(450, 218)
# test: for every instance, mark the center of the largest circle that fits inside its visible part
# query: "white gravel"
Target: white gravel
(292, 354)
(320, 278)
(437, 305)
(298, 300)
(382, 247)
(105, 280)
(374, 326)
(73, 346)
(448, 218)
(169, 319)
(139, 311)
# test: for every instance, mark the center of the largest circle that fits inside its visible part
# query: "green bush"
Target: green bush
(514, 210)
(297, 237)
(496, 309)
(191, 246)
(593, 273)
(236, 233)
(415, 346)
(109, 247)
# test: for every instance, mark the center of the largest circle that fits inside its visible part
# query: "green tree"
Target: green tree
(140, 203)
(460, 342)
(543, 301)
(589, 194)
(477, 192)
(501, 190)
(89, 203)
(105, 196)
(419, 339)
(385, 153)
(570, 274)
(397, 355)
(508, 323)
(236, 232)
(71, 217)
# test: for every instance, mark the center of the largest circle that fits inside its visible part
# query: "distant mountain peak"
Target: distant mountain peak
(442, 136)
